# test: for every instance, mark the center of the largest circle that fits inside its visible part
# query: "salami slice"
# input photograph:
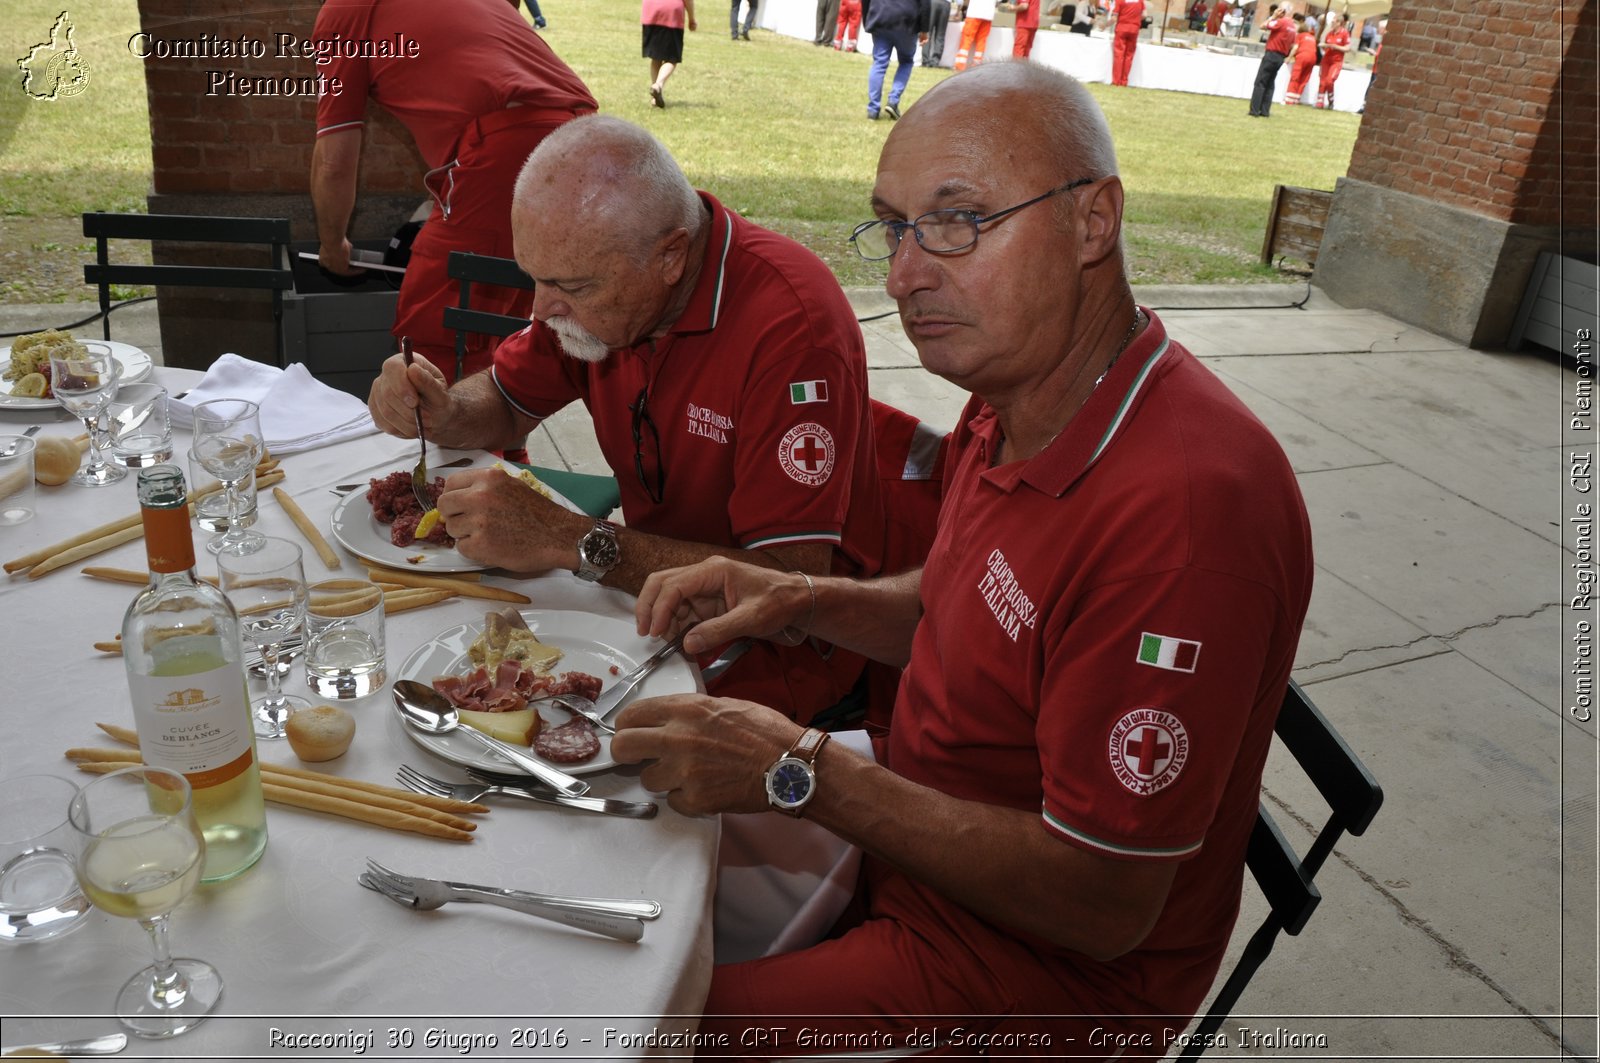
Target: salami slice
(572, 743)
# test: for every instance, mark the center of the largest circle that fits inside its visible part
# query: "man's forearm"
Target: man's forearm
(876, 618)
(335, 163)
(480, 418)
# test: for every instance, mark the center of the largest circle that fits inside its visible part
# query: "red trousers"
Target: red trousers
(1326, 77)
(849, 32)
(477, 188)
(974, 38)
(1299, 74)
(1022, 41)
(1123, 45)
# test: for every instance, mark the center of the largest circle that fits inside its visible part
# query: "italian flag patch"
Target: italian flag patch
(1164, 651)
(802, 392)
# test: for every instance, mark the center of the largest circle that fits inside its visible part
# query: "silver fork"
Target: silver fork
(620, 919)
(344, 489)
(422, 783)
(419, 475)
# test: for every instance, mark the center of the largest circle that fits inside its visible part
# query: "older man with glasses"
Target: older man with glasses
(1095, 650)
(726, 377)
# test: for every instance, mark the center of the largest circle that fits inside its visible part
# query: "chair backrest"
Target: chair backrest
(1353, 797)
(470, 269)
(190, 228)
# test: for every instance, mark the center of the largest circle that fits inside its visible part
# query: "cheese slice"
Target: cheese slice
(518, 728)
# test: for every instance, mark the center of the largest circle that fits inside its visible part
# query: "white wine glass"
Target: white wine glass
(227, 441)
(84, 382)
(268, 589)
(139, 853)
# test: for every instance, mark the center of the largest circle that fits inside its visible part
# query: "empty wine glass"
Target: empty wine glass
(268, 588)
(85, 382)
(227, 441)
(138, 854)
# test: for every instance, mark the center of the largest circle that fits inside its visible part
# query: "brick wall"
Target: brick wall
(1487, 107)
(209, 136)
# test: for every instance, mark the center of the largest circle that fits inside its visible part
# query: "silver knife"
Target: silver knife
(611, 699)
(104, 1045)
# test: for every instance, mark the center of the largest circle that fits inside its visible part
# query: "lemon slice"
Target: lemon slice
(426, 525)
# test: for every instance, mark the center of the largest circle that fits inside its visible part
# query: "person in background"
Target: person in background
(848, 34)
(1219, 11)
(897, 27)
(977, 18)
(1027, 27)
(1369, 35)
(483, 90)
(663, 22)
(938, 29)
(1128, 16)
(827, 20)
(1083, 19)
(1304, 58)
(1280, 30)
(1335, 43)
(653, 299)
(749, 19)
(1055, 829)
(1197, 15)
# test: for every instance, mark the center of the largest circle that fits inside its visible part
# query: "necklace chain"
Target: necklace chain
(1138, 316)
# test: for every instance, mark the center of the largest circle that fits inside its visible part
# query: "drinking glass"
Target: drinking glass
(84, 383)
(140, 426)
(344, 639)
(268, 588)
(138, 852)
(227, 440)
(39, 895)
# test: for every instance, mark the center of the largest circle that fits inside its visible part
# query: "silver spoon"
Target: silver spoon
(12, 449)
(431, 712)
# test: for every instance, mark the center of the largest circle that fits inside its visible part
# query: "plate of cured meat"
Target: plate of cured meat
(498, 665)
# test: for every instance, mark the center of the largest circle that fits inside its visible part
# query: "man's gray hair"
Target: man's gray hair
(634, 188)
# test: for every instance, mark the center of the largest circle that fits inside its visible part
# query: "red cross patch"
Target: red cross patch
(807, 453)
(1147, 749)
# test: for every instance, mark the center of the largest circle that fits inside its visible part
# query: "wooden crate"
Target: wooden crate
(1560, 300)
(1295, 224)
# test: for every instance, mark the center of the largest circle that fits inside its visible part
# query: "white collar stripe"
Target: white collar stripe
(1127, 400)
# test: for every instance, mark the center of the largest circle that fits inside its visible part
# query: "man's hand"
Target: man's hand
(499, 520)
(723, 600)
(400, 390)
(336, 259)
(708, 755)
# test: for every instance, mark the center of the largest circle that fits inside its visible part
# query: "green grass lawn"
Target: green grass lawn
(776, 128)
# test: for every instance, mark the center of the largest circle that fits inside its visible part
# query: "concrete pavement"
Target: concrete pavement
(1463, 924)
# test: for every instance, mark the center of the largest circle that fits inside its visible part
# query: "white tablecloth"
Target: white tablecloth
(302, 947)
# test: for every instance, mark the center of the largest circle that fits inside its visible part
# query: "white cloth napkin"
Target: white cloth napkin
(298, 412)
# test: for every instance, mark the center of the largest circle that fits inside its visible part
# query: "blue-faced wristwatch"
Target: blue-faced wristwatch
(792, 781)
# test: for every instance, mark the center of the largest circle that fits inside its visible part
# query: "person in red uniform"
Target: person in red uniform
(848, 33)
(1280, 32)
(1026, 29)
(726, 376)
(479, 90)
(1129, 18)
(1214, 20)
(1335, 43)
(1097, 646)
(1304, 58)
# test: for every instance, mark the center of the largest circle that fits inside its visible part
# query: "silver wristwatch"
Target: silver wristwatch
(598, 552)
(791, 782)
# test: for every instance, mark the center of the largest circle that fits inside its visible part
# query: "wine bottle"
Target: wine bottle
(180, 643)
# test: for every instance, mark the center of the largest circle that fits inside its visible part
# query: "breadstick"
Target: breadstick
(44, 553)
(393, 804)
(404, 601)
(309, 530)
(384, 572)
(443, 804)
(285, 795)
(86, 549)
(127, 575)
(109, 647)
(465, 588)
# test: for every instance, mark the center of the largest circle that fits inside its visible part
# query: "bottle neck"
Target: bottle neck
(168, 542)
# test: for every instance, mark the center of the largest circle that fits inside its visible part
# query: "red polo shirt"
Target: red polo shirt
(1129, 14)
(1107, 633)
(473, 57)
(759, 394)
(1280, 36)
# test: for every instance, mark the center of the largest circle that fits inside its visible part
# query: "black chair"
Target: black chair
(188, 228)
(595, 495)
(1354, 798)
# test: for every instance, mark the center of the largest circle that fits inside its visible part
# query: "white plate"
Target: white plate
(588, 643)
(359, 532)
(135, 365)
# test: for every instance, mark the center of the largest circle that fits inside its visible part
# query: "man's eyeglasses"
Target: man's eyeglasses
(943, 232)
(640, 408)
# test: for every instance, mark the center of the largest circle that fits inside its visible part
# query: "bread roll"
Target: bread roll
(320, 733)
